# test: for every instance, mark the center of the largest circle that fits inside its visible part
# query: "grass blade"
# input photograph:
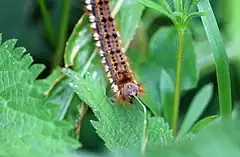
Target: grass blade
(58, 58)
(47, 21)
(197, 107)
(220, 56)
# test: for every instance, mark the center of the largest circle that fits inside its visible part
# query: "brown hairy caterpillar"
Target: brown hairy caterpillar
(107, 38)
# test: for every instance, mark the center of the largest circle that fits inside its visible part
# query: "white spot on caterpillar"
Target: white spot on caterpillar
(88, 1)
(108, 74)
(106, 68)
(103, 61)
(118, 34)
(92, 18)
(93, 25)
(123, 50)
(114, 87)
(98, 44)
(101, 52)
(110, 80)
(89, 7)
(95, 34)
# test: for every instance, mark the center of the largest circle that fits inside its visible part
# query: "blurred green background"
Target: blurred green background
(22, 19)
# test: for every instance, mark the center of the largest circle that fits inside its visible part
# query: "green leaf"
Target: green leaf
(197, 106)
(203, 123)
(221, 59)
(16, 73)
(129, 18)
(33, 134)
(162, 8)
(80, 44)
(167, 87)
(60, 94)
(193, 5)
(163, 49)
(191, 16)
(162, 55)
(220, 140)
(120, 126)
(26, 126)
(79, 49)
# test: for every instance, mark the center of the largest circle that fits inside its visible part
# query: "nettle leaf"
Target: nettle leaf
(26, 125)
(34, 134)
(120, 126)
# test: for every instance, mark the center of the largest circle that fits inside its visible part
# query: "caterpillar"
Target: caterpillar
(115, 62)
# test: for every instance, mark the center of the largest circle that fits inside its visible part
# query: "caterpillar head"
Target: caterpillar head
(129, 90)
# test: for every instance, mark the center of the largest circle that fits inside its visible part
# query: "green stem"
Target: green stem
(62, 33)
(145, 125)
(117, 7)
(177, 90)
(47, 21)
(65, 107)
(89, 62)
(178, 5)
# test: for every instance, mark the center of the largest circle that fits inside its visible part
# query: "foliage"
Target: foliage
(116, 122)
(26, 125)
(37, 116)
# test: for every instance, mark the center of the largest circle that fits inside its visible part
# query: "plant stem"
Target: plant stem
(82, 109)
(88, 63)
(64, 108)
(145, 125)
(178, 5)
(117, 7)
(62, 33)
(47, 21)
(177, 89)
